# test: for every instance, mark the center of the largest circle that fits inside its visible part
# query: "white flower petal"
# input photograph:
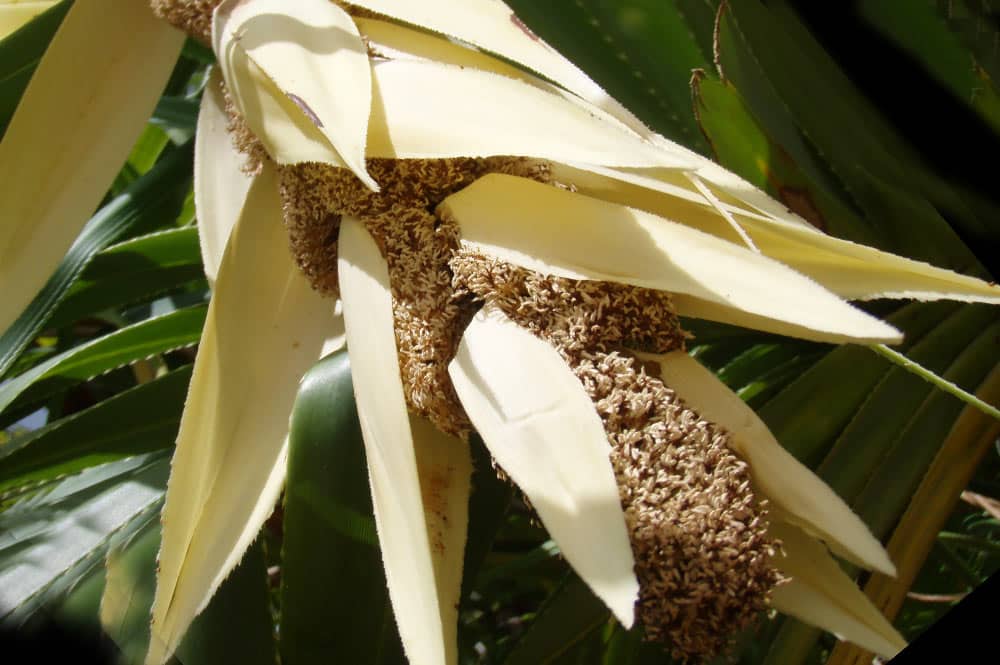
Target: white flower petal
(491, 25)
(560, 233)
(287, 65)
(220, 185)
(729, 186)
(400, 42)
(425, 109)
(852, 271)
(265, 328)
(821, 593)
(790, 486)
(419, 555)
(544, 431)
(444, 464)
(86, 104)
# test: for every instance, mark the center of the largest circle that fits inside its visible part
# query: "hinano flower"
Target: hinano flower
(511, 250)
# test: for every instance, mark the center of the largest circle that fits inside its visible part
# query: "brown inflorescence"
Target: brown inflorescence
(698, 533)
(192, 16)
(429, 317)
(242, 137)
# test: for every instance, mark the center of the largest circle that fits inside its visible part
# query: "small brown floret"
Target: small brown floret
(698, 533)
(192, 16)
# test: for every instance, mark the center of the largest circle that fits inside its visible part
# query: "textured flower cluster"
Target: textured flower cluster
(698, 532)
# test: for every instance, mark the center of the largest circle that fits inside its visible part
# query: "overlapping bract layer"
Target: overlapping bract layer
(444, 99)
(322, 89)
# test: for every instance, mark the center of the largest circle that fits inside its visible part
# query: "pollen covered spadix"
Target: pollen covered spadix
(800, 496)
(543, 431)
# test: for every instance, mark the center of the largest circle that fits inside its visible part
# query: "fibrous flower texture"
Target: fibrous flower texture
(505, 249)
(698, 533)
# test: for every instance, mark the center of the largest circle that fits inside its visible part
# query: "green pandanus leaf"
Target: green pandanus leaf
(331, 573)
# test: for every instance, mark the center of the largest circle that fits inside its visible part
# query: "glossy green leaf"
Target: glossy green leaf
(131, 271)
(137, 342)
(150, 202)
(569, 615)
(915, 444)
(810, 413)
(331, 572)
(741, 144)
(235, 627)
(177, 113)
(641, 51)
(923, 30)
(50, 541)
(891, 404)
(792, 85)
(139, 420)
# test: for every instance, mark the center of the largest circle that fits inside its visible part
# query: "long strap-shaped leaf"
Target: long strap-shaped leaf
(331, 571)
(492, 26)
(562, 233)
(137, 342)
(419, 477)
(132, 271)
(49, 541)
(850, 270)
(544, 431)
(265, 327)
(144, 418)
(148, 201)
(85, 106)
(822, 594)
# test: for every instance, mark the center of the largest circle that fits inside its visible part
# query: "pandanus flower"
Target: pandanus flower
(511, 251)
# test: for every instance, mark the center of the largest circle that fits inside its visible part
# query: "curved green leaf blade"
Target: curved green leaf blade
(169, 332)
(570, 614)
(139, 420)
(50, 541)
(236, 627)
(151, 201)
(332, 572)
(131, 271)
